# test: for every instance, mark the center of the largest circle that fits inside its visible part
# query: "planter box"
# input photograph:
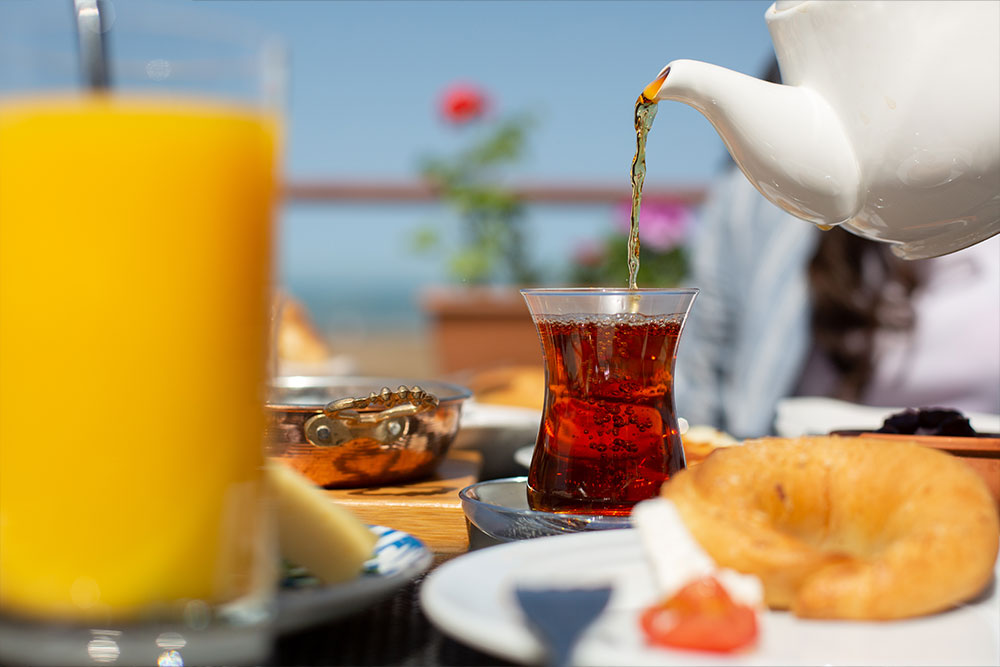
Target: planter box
(474, 328)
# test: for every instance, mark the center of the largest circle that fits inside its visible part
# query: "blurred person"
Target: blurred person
(787, 309)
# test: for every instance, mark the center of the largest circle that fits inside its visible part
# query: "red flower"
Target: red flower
(463, 102)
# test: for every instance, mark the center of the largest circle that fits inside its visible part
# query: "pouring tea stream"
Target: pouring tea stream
(894, 142)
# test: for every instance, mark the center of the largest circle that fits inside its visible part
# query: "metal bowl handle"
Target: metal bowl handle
(403, 402)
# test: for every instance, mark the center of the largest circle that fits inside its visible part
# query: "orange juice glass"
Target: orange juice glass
(136, 235)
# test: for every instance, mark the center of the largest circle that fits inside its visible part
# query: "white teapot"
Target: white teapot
(888, 122)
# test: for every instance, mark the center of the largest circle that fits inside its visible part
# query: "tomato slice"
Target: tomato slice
(701, 616)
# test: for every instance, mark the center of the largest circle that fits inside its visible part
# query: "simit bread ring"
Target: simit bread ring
(844, 527)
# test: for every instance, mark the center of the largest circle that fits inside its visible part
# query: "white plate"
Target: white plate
(811, 415)
(476, 415)
(471, 599)
(398, 558)
(497, 431)
(339, 365)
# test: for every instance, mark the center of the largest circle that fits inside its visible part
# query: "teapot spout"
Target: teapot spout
(786, 139)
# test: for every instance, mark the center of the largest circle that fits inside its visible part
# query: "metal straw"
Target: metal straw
(90, 34)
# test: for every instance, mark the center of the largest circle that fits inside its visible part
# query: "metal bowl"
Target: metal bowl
(357, 431)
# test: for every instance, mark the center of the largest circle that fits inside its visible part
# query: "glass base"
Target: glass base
(53, 644)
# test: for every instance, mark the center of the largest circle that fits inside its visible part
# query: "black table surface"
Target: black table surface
(394, 631)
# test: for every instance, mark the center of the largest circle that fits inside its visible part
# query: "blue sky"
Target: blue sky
(365, 78)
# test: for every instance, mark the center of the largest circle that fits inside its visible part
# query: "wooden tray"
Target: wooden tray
(429, 509)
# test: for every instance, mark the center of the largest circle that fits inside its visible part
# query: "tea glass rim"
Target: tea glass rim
(611, 291)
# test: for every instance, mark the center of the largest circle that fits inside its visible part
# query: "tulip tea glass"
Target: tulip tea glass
(608, 437)
(135, 278)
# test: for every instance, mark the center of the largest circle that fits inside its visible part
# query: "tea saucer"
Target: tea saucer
(497, 511)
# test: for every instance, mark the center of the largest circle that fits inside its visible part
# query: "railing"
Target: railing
(407, 192)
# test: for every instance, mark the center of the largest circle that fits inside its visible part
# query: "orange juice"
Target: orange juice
(135, 269)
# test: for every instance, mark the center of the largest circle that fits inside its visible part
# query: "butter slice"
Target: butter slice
(676, 558)
(314, 532)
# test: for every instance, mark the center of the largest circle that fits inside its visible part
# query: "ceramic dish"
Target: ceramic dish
(398, 558)
(497, 511)
(811, 415)
(471, 599)
(496, 431)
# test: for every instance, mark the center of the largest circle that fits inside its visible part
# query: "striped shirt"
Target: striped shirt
(747, 340)
(747, 336)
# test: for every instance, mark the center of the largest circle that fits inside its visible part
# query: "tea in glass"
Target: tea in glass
(609, 435)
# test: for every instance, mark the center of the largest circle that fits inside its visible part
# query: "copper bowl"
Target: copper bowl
(354, 432)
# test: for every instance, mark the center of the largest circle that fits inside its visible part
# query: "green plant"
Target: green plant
(491, 244)
(663, 256)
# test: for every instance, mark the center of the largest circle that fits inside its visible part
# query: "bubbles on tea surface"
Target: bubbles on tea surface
(611, 320)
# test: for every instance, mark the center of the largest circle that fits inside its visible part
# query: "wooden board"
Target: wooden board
(429, 509)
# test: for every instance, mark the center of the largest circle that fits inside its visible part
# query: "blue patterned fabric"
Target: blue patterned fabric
(747, 336)
(394, 551)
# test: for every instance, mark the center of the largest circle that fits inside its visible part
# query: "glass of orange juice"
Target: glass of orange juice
(136, 235)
